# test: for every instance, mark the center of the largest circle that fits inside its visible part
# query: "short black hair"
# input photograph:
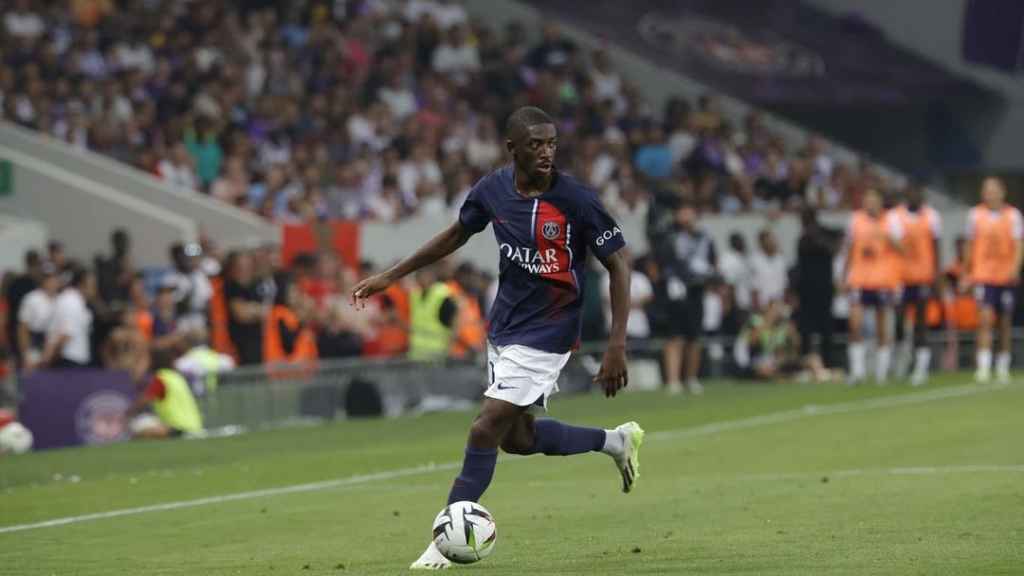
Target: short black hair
(523, 118)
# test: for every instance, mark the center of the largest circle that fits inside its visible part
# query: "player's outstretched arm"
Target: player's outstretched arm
(446, 242)
(613, 375)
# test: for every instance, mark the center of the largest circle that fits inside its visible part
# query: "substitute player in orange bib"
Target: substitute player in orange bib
(994, 234)
(873, 278)
(922, 226)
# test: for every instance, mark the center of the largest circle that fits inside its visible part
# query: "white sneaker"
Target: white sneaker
(695, 387)
(675, 389)
(918, 379)
(431, 559)
(982, 376)
(1003, 377)
(628, 462)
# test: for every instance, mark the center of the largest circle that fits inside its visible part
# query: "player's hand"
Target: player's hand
(963, 285)
(367, 287)
(613, 375)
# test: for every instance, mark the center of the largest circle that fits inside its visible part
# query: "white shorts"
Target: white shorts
(522, 375)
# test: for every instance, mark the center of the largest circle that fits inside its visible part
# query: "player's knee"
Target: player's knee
(485, 431)
(520, 439)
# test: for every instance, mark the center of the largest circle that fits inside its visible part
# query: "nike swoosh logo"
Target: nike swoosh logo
(503, 387)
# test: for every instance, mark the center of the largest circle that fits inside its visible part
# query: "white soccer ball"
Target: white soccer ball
(15, 439)
(465, 532)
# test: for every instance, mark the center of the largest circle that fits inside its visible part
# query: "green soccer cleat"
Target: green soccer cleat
(628, 462)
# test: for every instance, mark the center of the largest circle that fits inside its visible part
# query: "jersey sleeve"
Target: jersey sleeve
(474, 215)
(600, 230)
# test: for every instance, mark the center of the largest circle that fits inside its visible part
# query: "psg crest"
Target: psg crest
(550, 230)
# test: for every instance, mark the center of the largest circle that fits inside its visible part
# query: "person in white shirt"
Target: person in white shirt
(455, 57)
(21, 22)
(35, 315)
(641, 292)
(771, 272)
(192, 288)
(69, 338)
(737, 270)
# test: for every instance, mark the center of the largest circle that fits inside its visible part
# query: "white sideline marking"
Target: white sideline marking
(703, 430)
(294, 489)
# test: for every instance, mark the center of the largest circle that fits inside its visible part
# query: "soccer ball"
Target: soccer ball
(465, 532)
(15, 439)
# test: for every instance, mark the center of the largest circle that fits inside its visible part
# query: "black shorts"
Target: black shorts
(687, 316)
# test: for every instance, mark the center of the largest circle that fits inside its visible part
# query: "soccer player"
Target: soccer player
(922, 226)
(872, 279)
(544, 222)
(994, 252)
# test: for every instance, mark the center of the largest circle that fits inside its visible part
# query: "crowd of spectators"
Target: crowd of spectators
(374, 109)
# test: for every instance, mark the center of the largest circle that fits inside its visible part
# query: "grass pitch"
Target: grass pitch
(789, 479)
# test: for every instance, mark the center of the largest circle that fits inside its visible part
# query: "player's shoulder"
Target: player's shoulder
(493, 180)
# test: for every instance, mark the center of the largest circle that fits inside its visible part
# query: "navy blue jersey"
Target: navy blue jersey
(542, 243)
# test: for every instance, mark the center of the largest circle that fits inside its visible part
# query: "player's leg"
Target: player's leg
(855, 349)
(1005, 324)
(487, 432)
(986, 319)
(922, 351)
(904, 326)
(673, 357)
(883, 357)
(693, 326)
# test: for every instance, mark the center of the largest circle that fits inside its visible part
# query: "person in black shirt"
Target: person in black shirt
(246, 310)
(814, 286)
(688, 262)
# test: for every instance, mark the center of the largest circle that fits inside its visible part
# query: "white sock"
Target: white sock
(856, 352)
(1003, 363)
(882, 360)
(613, 443)
(923, 360)
(984, 359)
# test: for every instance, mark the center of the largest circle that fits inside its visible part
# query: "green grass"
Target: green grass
(815, 494)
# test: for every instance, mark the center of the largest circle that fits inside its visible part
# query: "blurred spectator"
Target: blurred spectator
(771, 272)
(22, 22)
(68, 341)
(115, 273)
(201, 365)
(455, 57)
(767, 347)
(814, 286)
(688, 262)
(192, 288)
(56, 256)
(178, 169)
(470, 337)
(737, 270)
(233, 186)
(207, 155)
(35, 315)
(433, 315)
(166, 332)
(641, 293)
(246, 309)
(288, 336)
(168, 394)
(15, 292)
